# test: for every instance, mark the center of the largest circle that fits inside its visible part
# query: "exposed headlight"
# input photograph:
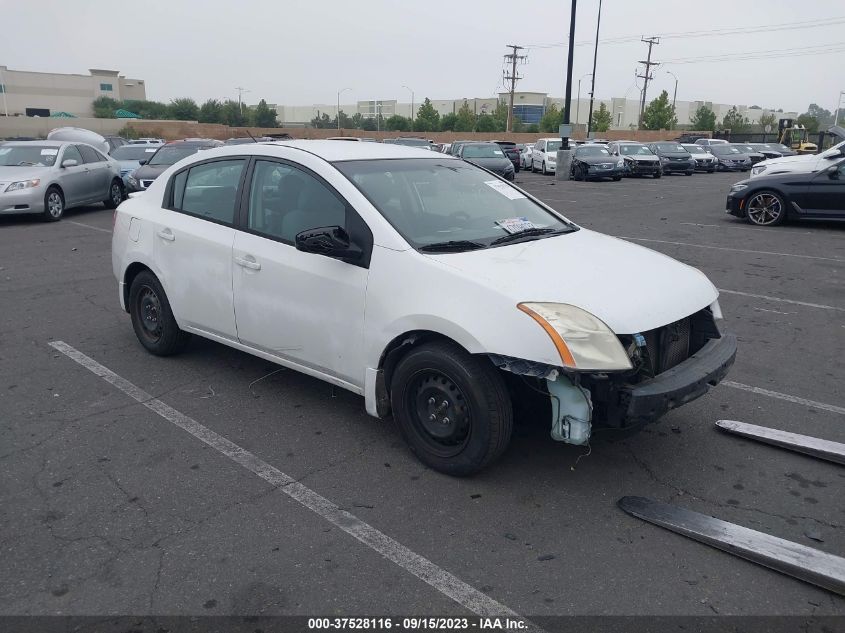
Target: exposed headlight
(739, 187)
(620, 163)
(23, 184)
(664, 159)
(583, 341)
(759, 169)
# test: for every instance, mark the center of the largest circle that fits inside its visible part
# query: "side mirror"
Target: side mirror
(142, 162)
(833, 172)
(70, 162)
(331, 241)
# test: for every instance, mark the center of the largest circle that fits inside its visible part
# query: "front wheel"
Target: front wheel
(711, 171)
(152, 318)
(54, 205)
(543, 168)
(453, 408)
(617, 178)
(657, 174)
(689, 173)
(115, 194)
(765, 208)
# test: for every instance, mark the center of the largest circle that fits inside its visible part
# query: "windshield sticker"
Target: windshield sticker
(505, 189)
(49, 152)
(516, 225)
(497, 152)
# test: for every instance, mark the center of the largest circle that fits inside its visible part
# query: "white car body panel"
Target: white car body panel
(800, 163)
(539, 155)
(334, 320)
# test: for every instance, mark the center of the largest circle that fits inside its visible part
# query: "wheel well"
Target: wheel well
(60, 190)
(401, 345)
(128, 277)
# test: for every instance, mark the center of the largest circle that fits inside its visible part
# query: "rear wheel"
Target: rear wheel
(152, 318)
(453, 408)
(765, 208)
(543, 168)
(115, 194)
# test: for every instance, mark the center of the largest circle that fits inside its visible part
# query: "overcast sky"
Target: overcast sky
(301, 52)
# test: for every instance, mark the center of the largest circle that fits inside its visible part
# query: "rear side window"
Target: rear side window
(89, 154)
(209, 190)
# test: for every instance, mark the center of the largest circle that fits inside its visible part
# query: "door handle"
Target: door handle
(166, 234)
(248, 263)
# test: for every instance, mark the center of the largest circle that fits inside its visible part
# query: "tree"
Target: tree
(397, 122)
(369, 124)
(346, 122)
(533, 128)
(704, 119)
(357, 121)
(500, 114)
(448, 121)
(735, 121)
(184, 109)
(263, 116)
(550, 122)
(147, 109)
(211, 112)
(809, 122)
(602, 118)
(465, 121)
(428, 119)
(768, 119)
(104, 107)
(486, 123)
(660, 114)
(824, 117)
(322, 121)
(232, 114)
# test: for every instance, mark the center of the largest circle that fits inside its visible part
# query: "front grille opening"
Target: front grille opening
(663, 348)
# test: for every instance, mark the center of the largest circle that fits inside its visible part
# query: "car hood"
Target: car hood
(629, 287)
(643, 158)
(12, 174)
(128, 164)
(148, 172)
(685, 155)
(493, 164)
(597, 160)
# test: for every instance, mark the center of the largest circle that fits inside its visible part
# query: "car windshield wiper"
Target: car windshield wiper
(529, 233)
(452, 246)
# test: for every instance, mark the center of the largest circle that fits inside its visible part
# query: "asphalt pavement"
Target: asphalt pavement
(110, 507)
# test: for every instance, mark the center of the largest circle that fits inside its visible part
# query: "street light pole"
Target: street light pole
(578, 100)
(593, 85)
(5, 88)
(412, 104)
(567, 104)
(835, 120)
(337, 114)
(675, 94)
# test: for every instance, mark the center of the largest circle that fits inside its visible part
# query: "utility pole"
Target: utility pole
(240, 92)
(513, 58)
(836, 116)
(593, 85)
(567, 103)
(647, 76)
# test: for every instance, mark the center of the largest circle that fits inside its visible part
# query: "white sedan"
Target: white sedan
(440, 293)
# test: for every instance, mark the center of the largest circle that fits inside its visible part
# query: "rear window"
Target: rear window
(209, 190)
(172, 154)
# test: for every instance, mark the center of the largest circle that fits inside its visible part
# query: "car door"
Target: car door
(537, 153)
(825, 193)
(302, 307)
(73, 180)
(193, 236)
(99, 175)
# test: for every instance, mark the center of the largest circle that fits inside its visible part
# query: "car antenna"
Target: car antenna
(251, 136)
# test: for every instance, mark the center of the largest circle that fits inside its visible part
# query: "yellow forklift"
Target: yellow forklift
(796, 137)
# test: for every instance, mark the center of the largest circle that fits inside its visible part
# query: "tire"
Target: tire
(54, 205)
(617, 178)
(769, 208)
(115, 194)
(152, 318)
(574, 174)
(689, 173)
(711, 171)
(533, 169)
(475, 395)
(543, 168)
(657, 175)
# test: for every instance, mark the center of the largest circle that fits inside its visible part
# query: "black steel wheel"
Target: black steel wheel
(152, 318)
(453, 408)
(765, 208)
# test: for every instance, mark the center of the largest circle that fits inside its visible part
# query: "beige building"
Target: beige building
(24, 93)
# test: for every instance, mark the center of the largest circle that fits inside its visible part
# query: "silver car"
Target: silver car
(47, 177)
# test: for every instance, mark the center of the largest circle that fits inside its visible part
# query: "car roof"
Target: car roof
(333, 151)
(42, 143)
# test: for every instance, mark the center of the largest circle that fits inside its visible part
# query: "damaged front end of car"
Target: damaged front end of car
(664, 368)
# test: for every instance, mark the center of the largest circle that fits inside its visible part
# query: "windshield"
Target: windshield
(133, 152)
(781, 148)
(482, 151)
(591, 150)
(631, 150)
(669, 147)
(553, 146)
(746, 148)
(430, 201)
(38, 155)
(412, 141)
(724, 150)
(695, 149)
(171, 154)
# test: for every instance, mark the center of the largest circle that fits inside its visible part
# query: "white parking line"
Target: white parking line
(88, 226)
(737, 250)
(793, 302)
(784, 396)
(444, 582)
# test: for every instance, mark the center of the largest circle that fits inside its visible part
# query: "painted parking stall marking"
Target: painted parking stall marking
(784, 396)
(737, 250)
(792, 301)
(449, 585)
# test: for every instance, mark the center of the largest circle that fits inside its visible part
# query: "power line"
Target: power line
(513, 57)
(646, 76)
(824, 47)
